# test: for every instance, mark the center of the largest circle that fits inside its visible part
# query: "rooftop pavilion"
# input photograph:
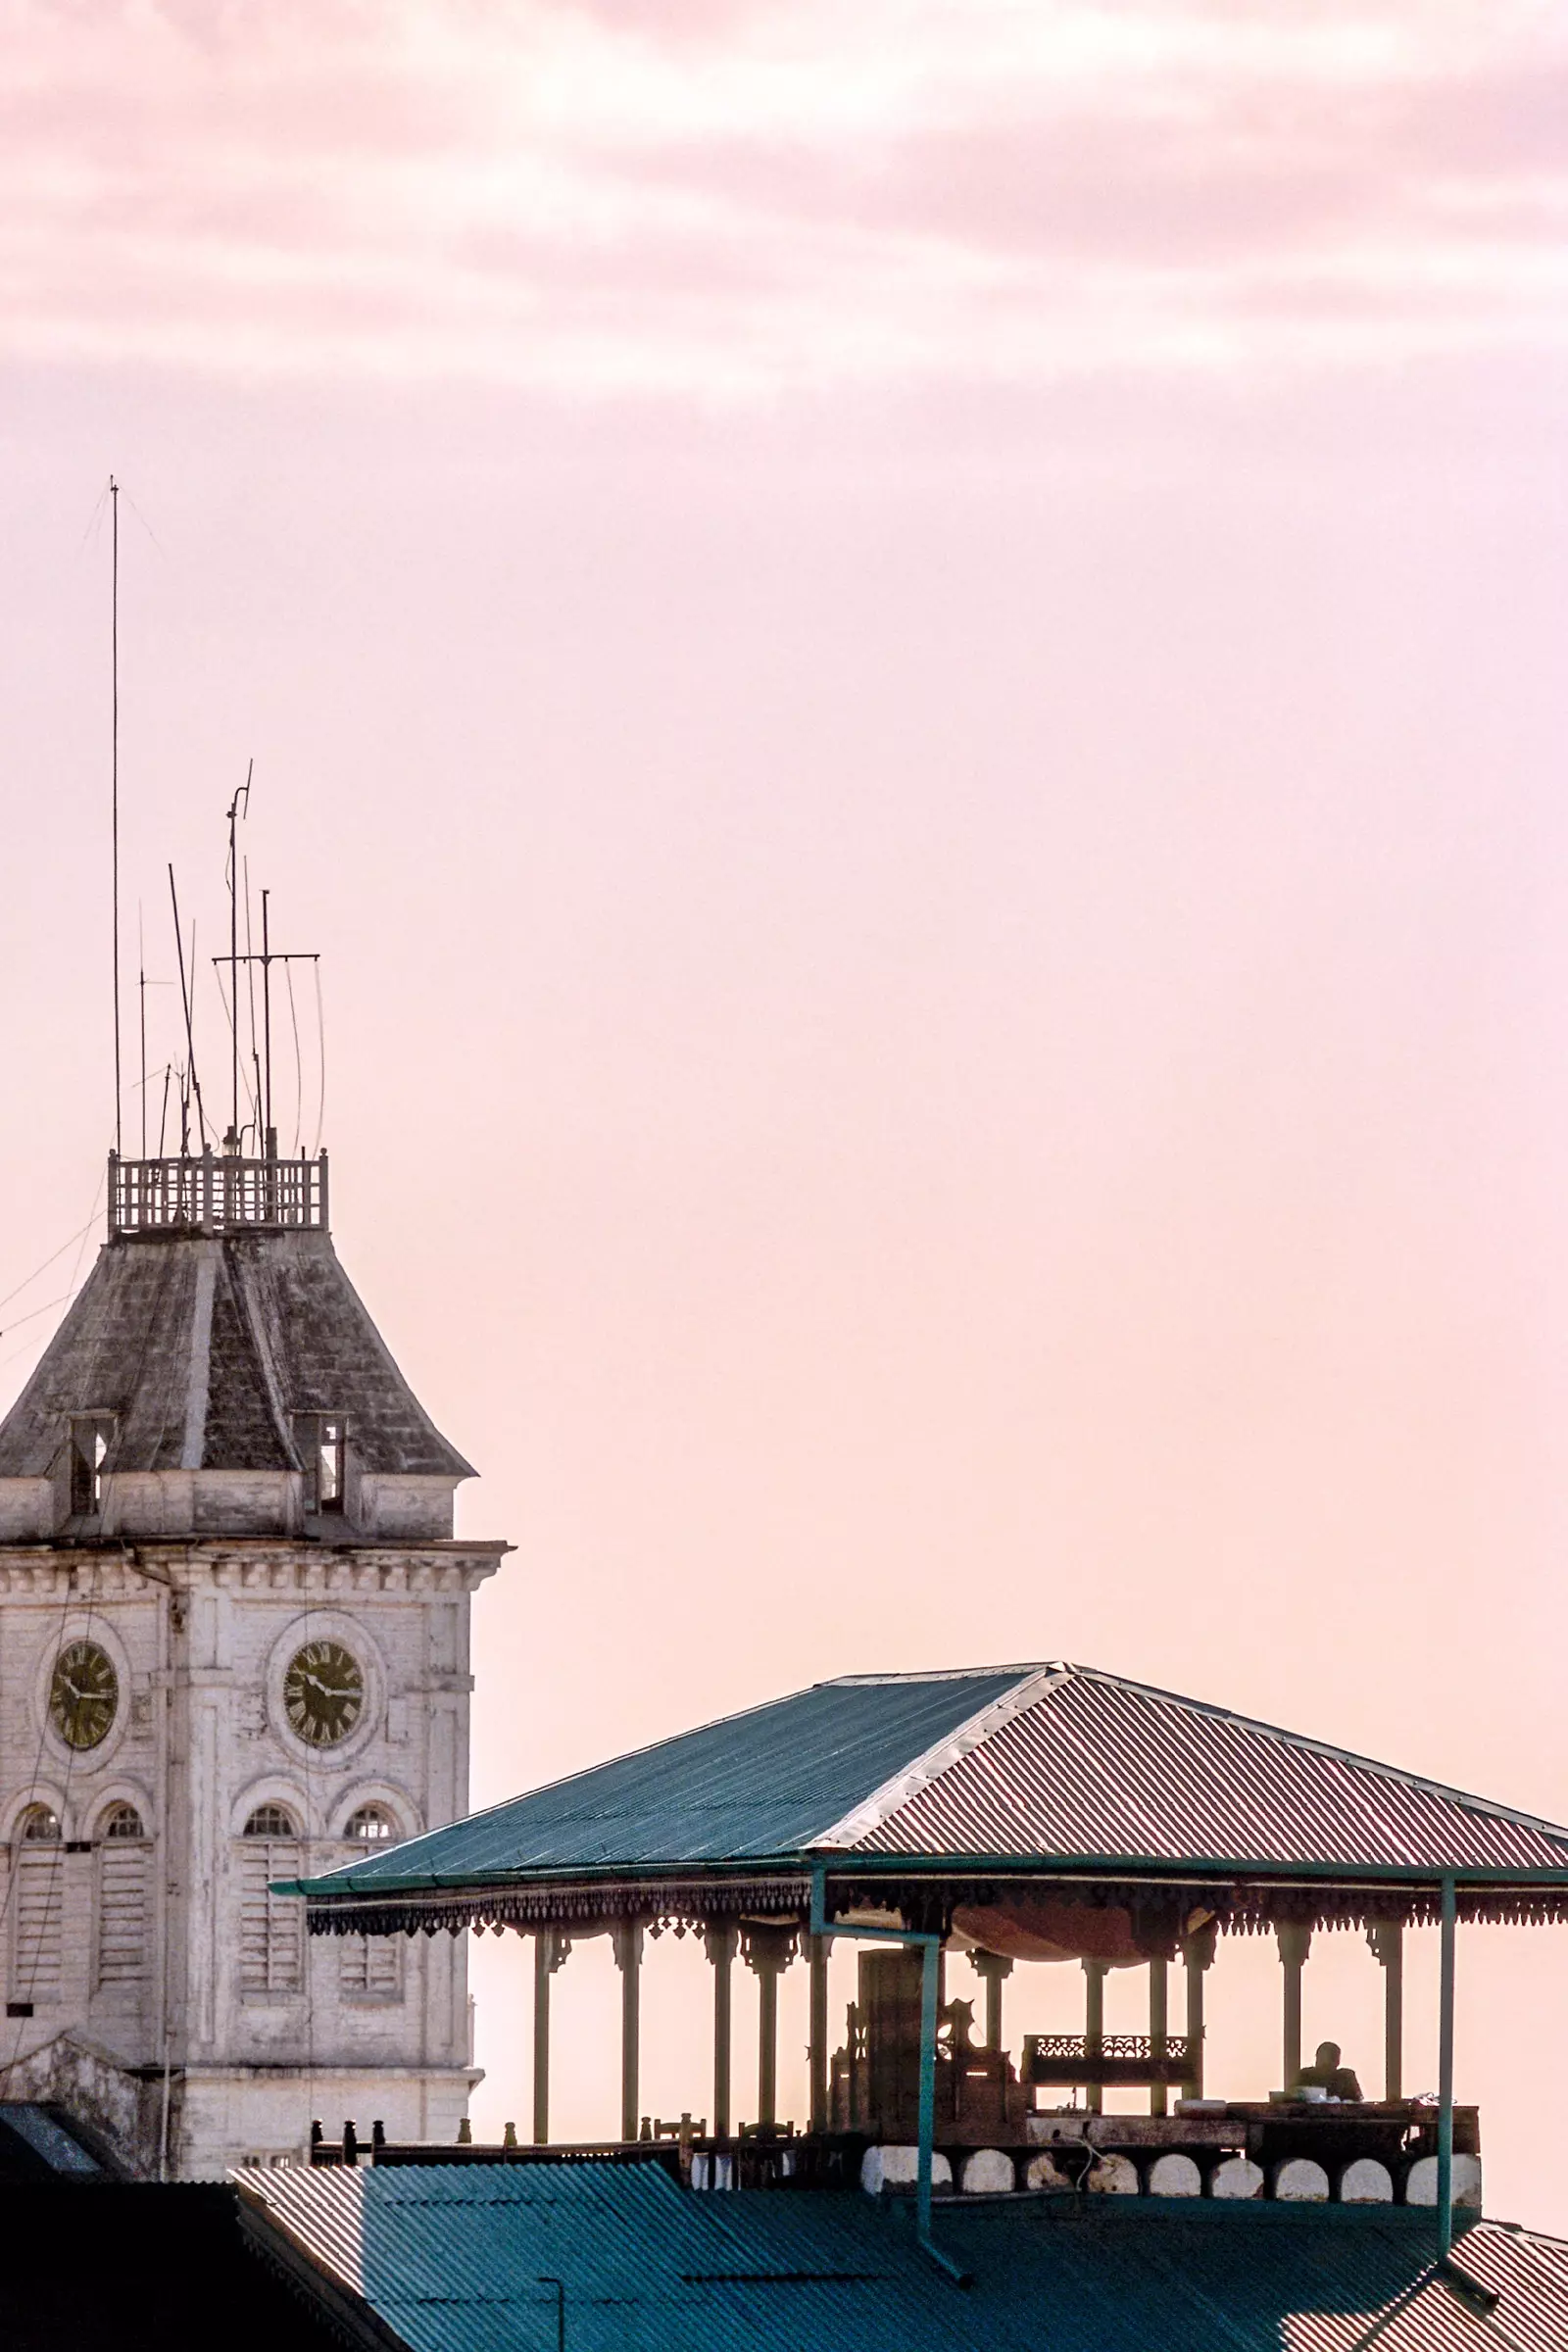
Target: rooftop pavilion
(1044, 1814)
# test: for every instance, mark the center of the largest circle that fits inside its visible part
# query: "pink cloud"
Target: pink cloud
(749, 197)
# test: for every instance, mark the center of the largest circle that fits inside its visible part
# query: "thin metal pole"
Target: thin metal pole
(560, 2286)
(270, 1146)
(1446, 2072)
(141, 978)
(930, 1962)
(930, 1977)
(185, 997)
(233, 967)
(114, 767)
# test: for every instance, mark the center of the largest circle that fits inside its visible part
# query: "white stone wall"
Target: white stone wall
(201, 1635)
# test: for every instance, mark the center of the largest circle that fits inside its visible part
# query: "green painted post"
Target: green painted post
(1445, 2075)
(930, 1955)
(930, 1971)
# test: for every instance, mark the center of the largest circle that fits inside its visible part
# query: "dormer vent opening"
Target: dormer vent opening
(321, 1442)
(91, 1434)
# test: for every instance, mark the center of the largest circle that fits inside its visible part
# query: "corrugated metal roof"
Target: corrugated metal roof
(451, 2259)
(1100, 1766)
(1060, 1764)
(750, 1786)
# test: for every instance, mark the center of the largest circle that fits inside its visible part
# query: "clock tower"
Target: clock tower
(233, 1649)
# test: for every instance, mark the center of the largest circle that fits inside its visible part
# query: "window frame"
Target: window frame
(92, 1437)
(321, 1442)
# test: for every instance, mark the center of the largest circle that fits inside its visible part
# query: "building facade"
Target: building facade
(233, 1648)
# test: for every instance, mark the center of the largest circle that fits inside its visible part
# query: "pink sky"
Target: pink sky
(910, 661)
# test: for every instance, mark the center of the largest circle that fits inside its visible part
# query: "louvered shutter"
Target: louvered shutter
(271, 1926)
(39, 1876)
(371, 1964)
(122, 1912)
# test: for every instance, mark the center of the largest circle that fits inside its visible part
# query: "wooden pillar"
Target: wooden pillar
(768, 1951)
(627, 1938)
(992, 1968)
(550, 1949)
(1197, 1951)
(1158, 2031)
(816, 2055)
(1295, 1943)
(719, 1943)
(1095, 1972)
(1386, 1938)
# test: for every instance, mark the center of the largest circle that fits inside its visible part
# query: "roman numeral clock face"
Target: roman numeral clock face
(324, 1693)
(83, 1694)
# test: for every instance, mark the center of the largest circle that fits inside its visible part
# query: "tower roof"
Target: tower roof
(202, 1346)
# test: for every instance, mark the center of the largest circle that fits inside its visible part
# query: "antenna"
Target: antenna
(141, 987)
(243, 795)
(266, 959)
(114, 767)
(190, 1040)
(270, 1145)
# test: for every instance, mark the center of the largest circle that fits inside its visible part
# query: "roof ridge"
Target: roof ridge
(1324, 1747)
(1035, 1682)
(935, 1674)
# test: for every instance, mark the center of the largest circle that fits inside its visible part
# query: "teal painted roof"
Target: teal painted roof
(449, 2259)
(1057, 1763)
(752, 1788)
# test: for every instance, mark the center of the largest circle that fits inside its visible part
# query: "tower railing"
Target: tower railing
(217, 1192)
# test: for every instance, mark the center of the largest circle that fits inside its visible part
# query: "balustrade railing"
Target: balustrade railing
(1105, 2058)
(217, 1192)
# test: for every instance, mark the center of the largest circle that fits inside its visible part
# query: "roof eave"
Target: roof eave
(1090, 1869)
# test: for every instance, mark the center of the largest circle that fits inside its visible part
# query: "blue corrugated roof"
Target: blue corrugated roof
(749, 1788)
(451, 2258)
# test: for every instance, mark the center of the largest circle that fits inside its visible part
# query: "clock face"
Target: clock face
(84, 1694)
(324, 1693)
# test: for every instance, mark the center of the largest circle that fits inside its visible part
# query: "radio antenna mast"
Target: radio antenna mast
(242, 796)
(190, 1035)
(268, 957)
(113, 769)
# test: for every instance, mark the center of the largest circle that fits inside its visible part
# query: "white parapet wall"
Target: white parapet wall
(899, 2168)
(1421, 2188)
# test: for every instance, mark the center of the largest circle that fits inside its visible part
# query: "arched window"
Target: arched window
(119, 1948)
(35, 1933)
(371, 1825)
(272, 1927)
(270, 1821)
(370, 1966)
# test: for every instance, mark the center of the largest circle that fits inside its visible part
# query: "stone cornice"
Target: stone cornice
(256, 1566)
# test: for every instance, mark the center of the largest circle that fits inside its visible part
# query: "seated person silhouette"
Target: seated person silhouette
(1329, 2075)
